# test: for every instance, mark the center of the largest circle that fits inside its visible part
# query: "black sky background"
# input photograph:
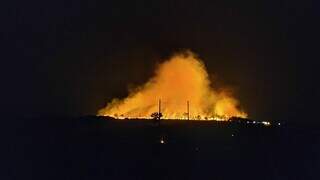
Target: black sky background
(69, 58)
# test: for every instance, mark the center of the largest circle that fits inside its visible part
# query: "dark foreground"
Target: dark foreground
(95, 148)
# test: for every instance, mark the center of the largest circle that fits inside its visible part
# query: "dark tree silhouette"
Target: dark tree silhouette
(156, 115)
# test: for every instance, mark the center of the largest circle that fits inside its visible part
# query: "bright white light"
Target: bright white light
(162, 141)
(232, 135)
(266, 123)
(279, 124)
(254, 122)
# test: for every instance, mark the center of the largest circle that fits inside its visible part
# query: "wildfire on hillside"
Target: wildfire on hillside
(182, 88)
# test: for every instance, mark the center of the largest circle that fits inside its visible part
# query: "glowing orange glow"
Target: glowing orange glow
(181, 78)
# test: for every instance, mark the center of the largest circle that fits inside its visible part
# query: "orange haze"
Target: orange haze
(181, 78)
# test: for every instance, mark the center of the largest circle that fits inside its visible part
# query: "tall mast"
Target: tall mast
(188, 110)
(159, 106)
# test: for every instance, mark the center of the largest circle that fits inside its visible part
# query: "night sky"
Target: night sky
(69, 58)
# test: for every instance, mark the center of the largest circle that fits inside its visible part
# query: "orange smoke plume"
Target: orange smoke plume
(180, 79)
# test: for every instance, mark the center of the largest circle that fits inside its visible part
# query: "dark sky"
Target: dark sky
(69, 58)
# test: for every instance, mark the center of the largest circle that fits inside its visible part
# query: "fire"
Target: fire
(179, 81)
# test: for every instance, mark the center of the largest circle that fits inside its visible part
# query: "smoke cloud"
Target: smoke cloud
(181, 78)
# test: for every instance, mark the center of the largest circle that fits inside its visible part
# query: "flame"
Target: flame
(180, 79)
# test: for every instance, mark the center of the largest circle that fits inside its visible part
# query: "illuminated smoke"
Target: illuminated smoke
(181, 78)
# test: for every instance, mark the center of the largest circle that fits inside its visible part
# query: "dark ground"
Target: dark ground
(96, 148)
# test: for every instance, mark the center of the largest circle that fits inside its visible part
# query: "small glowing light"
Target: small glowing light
(232, 135)
(254, 122)
(279, 124)
(162, 141)
(266, 123)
